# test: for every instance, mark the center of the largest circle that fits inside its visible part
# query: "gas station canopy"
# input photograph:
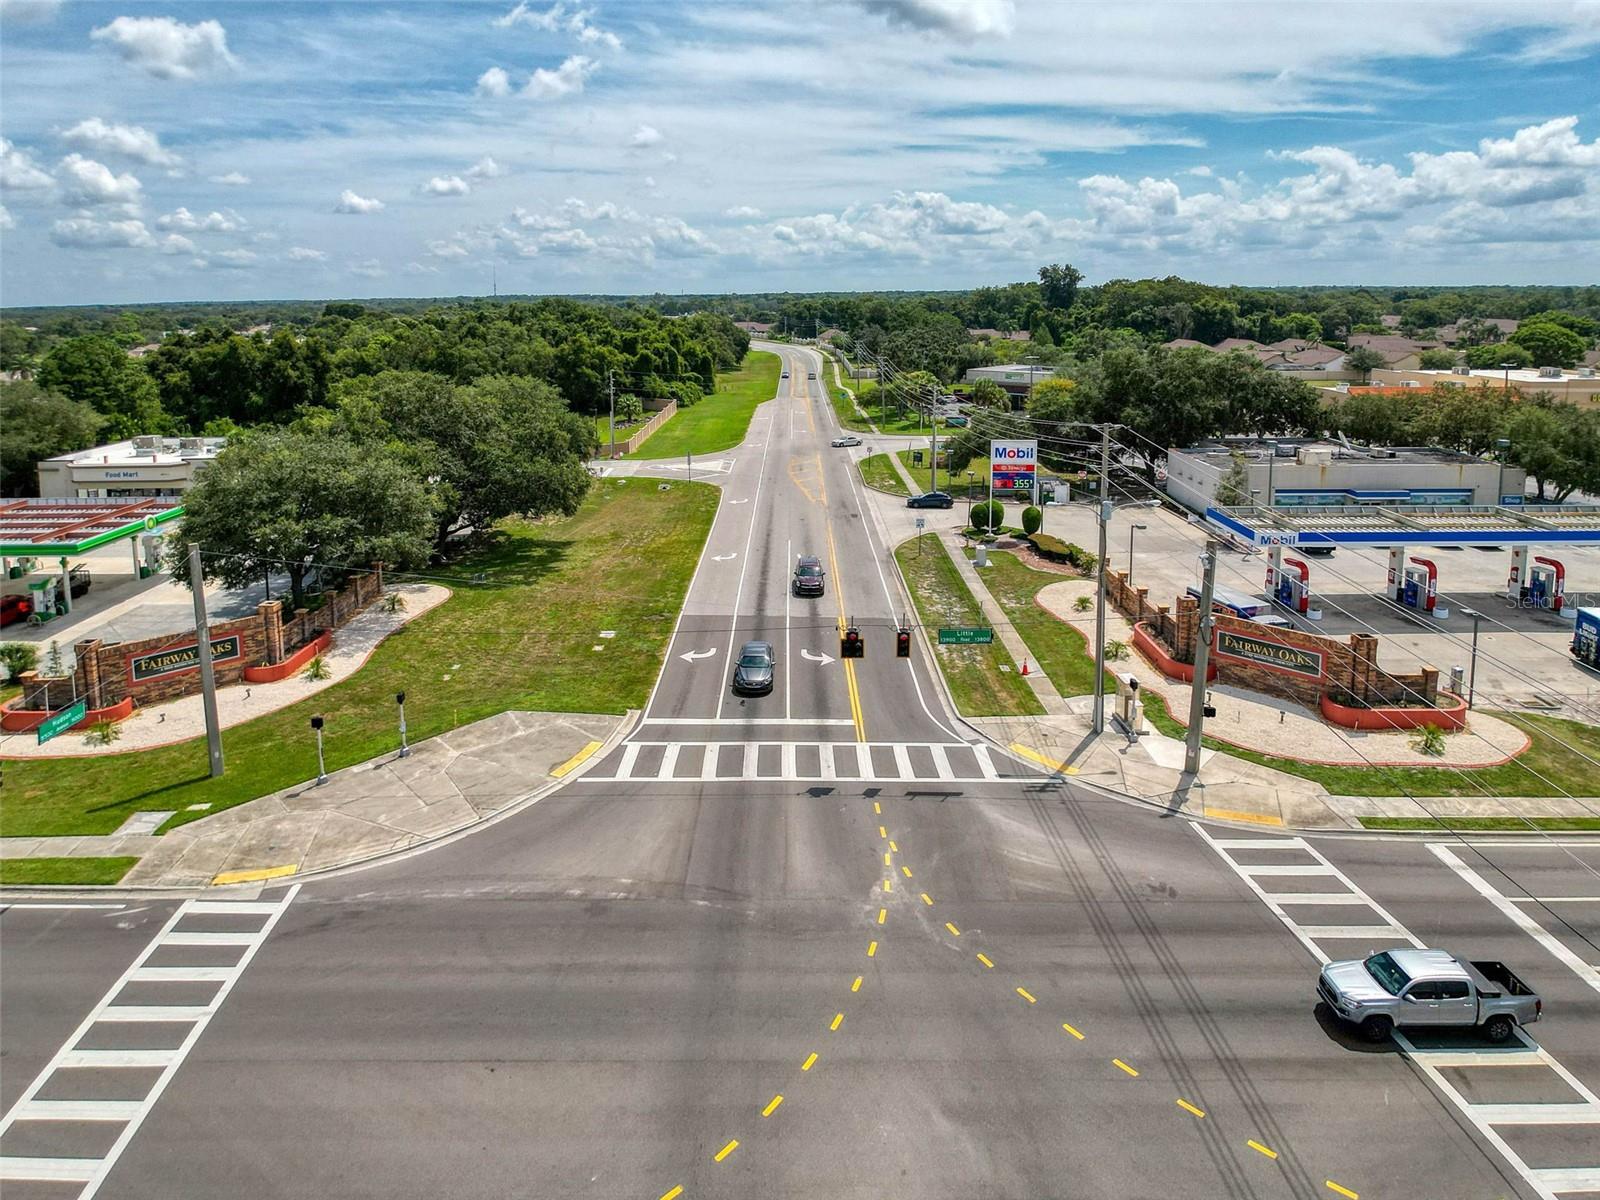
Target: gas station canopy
(1412, 525)
(67, 526)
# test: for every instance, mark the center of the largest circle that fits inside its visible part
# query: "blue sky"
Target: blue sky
(203, 150)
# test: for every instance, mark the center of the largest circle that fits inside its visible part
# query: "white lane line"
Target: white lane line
(211, 939)
(1322, 898)
(1552, 1180)
(154, 1014)
(1336, 932)
(1517, 917)
(788, 598)
(1520, 1057)
(786, 767)
(902, 761)
(941, 761)
(1281, 869)
(180, 975)
(1268, 843)
(79, 1110)
(1554, 899)
(981, 753)
(630, 755)
(669, 761)
(746, 721)
(708, 760)
(752, 755)
(824, 760)
(93, 1172)
(25, 904)
(1537, 1114)
(744, 563)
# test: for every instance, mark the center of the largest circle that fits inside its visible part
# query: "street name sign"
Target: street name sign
(966, 636)
(59, 722)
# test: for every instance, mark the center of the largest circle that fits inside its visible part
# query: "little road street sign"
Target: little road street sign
(966, 636)
(59, 722)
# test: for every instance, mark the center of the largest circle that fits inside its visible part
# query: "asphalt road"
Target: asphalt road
(961, 978)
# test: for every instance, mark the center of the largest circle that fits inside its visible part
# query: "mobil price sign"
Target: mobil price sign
(1012, 465)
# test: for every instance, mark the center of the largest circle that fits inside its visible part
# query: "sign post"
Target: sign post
(59, 722)
(208, 678)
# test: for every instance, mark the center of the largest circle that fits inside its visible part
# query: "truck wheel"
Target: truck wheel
(1377, 1029)
(1498, 1029)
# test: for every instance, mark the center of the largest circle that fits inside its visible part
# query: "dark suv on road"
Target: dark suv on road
(808, 576)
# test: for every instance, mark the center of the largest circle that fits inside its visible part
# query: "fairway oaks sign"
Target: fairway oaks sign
(170, 661)
(1012, 464)
(1296, 660)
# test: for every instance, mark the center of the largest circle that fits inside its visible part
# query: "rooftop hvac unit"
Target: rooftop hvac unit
(1549, 372)
(1411, 383)
(1313, 455)
(1585, 372)
(191, 443)
(1461, 370)
(147, 441)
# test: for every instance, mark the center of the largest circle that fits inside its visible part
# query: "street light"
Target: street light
(1506, 367)
(1106, 509)
(322, 773)
(400, 699)
(972, 477)
(1472, 671)
(1132, 529)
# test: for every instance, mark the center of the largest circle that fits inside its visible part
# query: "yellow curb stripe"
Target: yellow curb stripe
(773, 1106)
(1060, 768)
(726, 1150)
(1343, 1191)
(1117, 1062)
(1228, 814)
(576, 761)
(253, 876)
(1260, 1149)
(1189, 1108)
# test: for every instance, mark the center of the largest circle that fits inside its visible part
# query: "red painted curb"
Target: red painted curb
(291, 664)
(25, 720)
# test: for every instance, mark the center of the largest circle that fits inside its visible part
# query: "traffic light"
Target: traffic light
(851, 645)
(902, 644)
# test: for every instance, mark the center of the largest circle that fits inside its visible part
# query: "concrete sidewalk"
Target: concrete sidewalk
(446, 784)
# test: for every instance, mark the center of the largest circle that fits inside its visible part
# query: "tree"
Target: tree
(629, 408)
(1032, 518)
(1059, 284)
(1550, 345)
(1364, 359)
(1053, 401)
(18, 657)
(37, 425)
(986, 393)
(1539, 443)
(1437, 360)
(1233, 489)
(1495, 356)
(281, 500)
(1584, 327)
(98, 372)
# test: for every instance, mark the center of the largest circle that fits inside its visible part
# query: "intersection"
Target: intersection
(826, 942)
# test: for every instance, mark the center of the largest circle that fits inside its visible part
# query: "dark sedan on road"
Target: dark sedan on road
(932, 500)
(808, 575)
(752, 675)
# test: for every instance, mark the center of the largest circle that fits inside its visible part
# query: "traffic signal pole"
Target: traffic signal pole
(1202, 663)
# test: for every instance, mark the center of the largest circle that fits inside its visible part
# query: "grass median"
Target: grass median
(1557, 762)
(980, 688)
(1063, 650)
(524, 639)
(82, 872)
(721, 420)
(877, 471)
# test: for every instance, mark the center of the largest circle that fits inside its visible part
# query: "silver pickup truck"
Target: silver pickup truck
(1405, 987)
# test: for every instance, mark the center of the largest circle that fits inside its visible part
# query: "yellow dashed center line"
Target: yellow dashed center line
(673, 1194)
(1189, 1108)
(1343, 1191)
(954, 932)
(1026, 995)
(856, 986)
(883, 915)
(887, 860)
(893, 847)
(906, 871)
(888, 885)
(726, 1150)
(1260, 1149)
(927, 899)
(811, 1061)
(838, 1020)
(1119, 1063)
(877, 809)
(772, 1106)
(882, 832)
(872, 949)
(1072, 1031)
(984, 959)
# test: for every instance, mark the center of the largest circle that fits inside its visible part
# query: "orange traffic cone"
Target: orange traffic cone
(1024, 666)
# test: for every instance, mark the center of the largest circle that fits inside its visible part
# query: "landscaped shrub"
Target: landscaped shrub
(1429, 740)
(103, 732)
(1083, 604)
(989, 515)
(1116, 651)
(1055, 550)
(317, 669)
(1032, 518)
(18, 657)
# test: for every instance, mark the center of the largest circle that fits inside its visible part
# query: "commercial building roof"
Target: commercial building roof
(1221, 453)
(66, 526)
(1366, 525)
(147, 451)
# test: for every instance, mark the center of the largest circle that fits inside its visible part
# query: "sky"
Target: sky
(221, 150)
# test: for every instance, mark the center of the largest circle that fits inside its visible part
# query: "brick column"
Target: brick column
(1430, 685)
(271, 614)
(88, 671)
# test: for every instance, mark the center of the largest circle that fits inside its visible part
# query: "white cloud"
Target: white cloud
(486, 168)
(351, 203)
(1203, 171)
(742, 212)
(231, 179)
(645, 136)
(494, 82)
(130, 141)
(28, 12)
(212, 222)
(559, 17)
(306, 254)
(87, 232)
(18, 171)
(446, 185)
(237, 260)
(370, 268)
(166, 48)
(176, 243)
(566, 80)
(7, 221)
(966, 18)
(88, 182)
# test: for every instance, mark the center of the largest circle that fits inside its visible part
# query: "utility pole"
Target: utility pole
(1202, 663)
(934, 468)
(208, 677)
(611, 399)
(1100, 583)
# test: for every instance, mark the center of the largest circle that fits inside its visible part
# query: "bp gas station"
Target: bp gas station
(39, 538)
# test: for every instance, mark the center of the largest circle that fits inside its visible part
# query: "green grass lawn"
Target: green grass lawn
(886, 418)
(523, 640)
(979, 686)
(718, 422)
(1545, 768)
(24, 872)
(1483, 824)
(878, 472)
(1065, 651)
(602, 430)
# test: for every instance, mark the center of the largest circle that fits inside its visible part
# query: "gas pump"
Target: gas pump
(1541, 585)
(1291, 588)
(1415, 584)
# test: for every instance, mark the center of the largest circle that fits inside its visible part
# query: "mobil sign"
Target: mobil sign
(1011, 465)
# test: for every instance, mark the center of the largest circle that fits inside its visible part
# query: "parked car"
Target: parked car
(14, 607)
(932, 500)
(848, 439)
(753, 673)
(1398, 989)
(808, 576)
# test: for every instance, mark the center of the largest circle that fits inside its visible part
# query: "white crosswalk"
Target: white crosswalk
(1298, 858)
(806, 762)
(59, 1120)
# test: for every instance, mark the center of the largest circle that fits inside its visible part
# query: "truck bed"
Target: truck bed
(1496, 978)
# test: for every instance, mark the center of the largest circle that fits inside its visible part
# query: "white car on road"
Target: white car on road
(848, 439)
